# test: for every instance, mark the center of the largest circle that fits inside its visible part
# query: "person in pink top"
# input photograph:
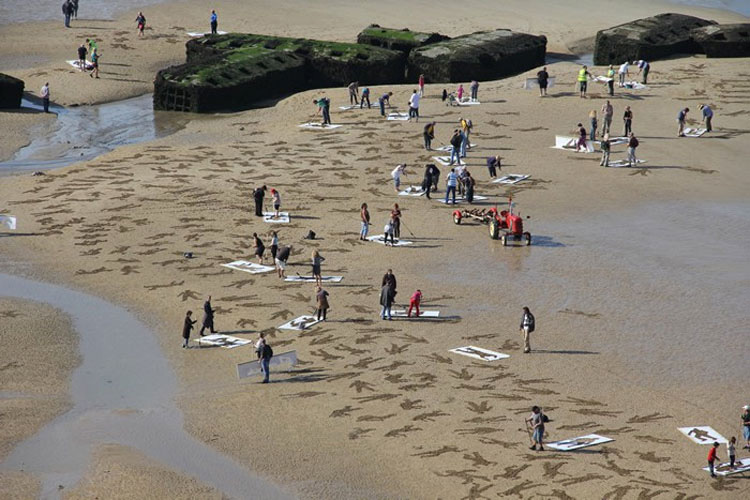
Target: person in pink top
(421, 85)
(414, 302)
(460, 92)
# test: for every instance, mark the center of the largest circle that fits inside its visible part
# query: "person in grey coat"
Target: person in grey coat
(386, 300)
(208, 317)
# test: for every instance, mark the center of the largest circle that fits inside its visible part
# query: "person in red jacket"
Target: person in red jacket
(414, 302)
(712, 457)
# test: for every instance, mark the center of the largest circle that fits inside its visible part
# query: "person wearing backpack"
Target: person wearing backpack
(537, 420)
(265, 353)
(527, 326)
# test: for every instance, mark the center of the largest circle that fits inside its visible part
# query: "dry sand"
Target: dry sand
(383, 410)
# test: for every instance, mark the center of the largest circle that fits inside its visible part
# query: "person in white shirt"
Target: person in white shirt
(451, 181)
(414, 106)
(396, 174)
(45, 97)
(622, 72)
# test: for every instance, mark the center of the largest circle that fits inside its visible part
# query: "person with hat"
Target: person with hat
(708, 115)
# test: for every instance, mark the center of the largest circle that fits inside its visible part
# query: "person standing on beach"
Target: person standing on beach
(493, 165)
(387, 296)
(383, 100)
(474, 90)
(644, 67)
(450, 186)
(274, 245)
(466, 127)
(536, 420)
(364, 216)
(91, 43)
(681, 119)
(259, 247)
(421, 85)
(276, 200)
(396, 220)
(427, 181)
(141, 22)
(527, 327)
(324, 108)
(607, 112)
(632, 145)
(468, 186)
(581, 144)
(396, 175)
(264, 353)
(622, 73)
(389, 279)
(414, 301)
(594, 124)
(67, 10)
(365, 97)
(214, 22)
(542, 78)
(95, 63)
(456, 147)
(429, 135)
(74, 6)
(353, 93)
(712, 457)
(321, 301)
(627, 118)
(208, 317)
(258, 195)
(388, 233)
(82, 57)
(605, 147)
(731, 452)
(708, 115)
(745, 419)
(460, 92)
(414, 106)
(611, 79)
(187, 326)
(317, 260)
(583, 79)
(281, 258)
(45, 97)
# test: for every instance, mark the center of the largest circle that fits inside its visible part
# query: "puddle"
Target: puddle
(85, 132)
(122, 393)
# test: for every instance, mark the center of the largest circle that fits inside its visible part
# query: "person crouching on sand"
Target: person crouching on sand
(281, 259)
(414, 302)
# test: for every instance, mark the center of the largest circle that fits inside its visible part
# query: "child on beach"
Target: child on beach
(712, 457)
(276, 199)
(731, 451)
(186, 327)
(414, 302)
(141, 21)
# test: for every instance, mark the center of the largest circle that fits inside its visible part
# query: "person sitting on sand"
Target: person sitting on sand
(276, 199)
(259, 247)
(281, 258)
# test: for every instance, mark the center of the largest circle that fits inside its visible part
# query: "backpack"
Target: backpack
(310, 235)
(545, 418)
(267, 352)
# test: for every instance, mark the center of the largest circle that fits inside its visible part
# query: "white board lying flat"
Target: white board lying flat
(694, 132)
(624, 163)
(248, 267)
(449, 148)
(9, 221)
(511, 179)
(741, 465)
(533, 83)
(380, 238)
(479, 353)
(569, 143)
(422, 314)
(412, 191)
(461, 199)
(703, 434)
(318, 126)
(579, 442)
(299, 324)
(283, 218)
(225, 341)
(310, 279)
(252, 368)
(466, 101)
(347, 108)
(75, 64)
(194, 34)
(634, 85)
(398, 116)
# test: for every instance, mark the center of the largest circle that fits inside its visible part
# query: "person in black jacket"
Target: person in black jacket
(187, 326)
(208, 317)
(527, 326)
(258, 194)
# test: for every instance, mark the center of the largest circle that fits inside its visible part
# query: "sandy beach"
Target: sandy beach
(637, 276)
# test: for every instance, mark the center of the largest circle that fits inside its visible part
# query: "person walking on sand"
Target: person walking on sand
(542, 79)
(208, 317)
(527, 327)
(713, 457)
(745, 419)
(258, 195)
(264, 353)
(466, 127)
(474, 90)
(74, 8)
(582, 134)
(67, 10)
(450, 186)
(383, 100)
(708, 115)
(421, 85)
(493, 165)
(414, 106)
(365, 97)
(324, 108)
(594, 124)
(259, 247)
(317, 260)
(731, 452)
(214, 22)
(321, 301)
(455, 141)
(607, 112)
(396, 220)
(632, 145)
(611, 80)
(187, 326)
(274, 245)
(95, 63)
(414, 301)
(681, 119)
(281, 258)
(276, 200)
(389, 278)
(364, 216)
(622, 72)
(396, 175)
(627, 118)
(536, 421)
(353, 93)
(45, 96)
(643, 67)
(387, 296)
(605, 147)
(429, 135)
(583, 79)
(82, 57)
(141, 22)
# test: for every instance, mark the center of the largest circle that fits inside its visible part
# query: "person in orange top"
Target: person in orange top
(414, 302)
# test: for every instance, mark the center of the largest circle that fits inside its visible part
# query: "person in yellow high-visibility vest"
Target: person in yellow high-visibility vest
(583, 78)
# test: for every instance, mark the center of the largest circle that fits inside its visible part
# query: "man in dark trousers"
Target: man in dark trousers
(493, 165)
(214, 22)
(208, 317)
(45, 97)
(527, 326)
(187, 326)
(67, 10)
(427, 180)
(387, 296)
(258, 195)
(435, 174)
(389, 279)
(265, 353)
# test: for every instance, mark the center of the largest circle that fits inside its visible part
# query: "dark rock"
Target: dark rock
(403, 40)
(485, 55)
(650, 38)
(723, 40)
(11, 91)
